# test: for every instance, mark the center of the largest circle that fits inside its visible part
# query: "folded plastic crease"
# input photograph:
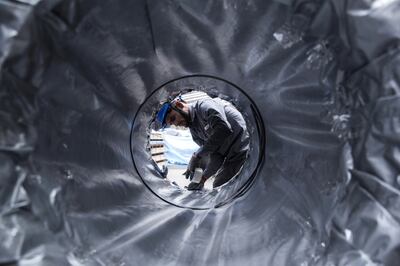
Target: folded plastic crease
(325, 76)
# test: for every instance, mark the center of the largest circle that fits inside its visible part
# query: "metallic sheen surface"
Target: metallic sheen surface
(76, 77)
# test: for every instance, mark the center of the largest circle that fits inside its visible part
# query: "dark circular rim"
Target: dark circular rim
(261, 135)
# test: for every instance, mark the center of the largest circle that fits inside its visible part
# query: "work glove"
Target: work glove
(193, 163)
(195, 186)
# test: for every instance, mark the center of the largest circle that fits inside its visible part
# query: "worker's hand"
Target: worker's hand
(193, 163)
(189, 175)
(195, 186)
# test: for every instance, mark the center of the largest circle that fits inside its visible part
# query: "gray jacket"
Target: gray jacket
(218, 127)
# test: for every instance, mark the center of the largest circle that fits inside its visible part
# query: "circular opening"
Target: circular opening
(150, 151)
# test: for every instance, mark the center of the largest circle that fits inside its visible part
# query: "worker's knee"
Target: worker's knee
(229, 170)
(221, 179)
(219, 182)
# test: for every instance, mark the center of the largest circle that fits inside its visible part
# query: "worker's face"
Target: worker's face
(175, 118)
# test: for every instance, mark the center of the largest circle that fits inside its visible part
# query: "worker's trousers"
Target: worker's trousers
(223, 169)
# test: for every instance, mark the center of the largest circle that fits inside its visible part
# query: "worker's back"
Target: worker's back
(236, 143)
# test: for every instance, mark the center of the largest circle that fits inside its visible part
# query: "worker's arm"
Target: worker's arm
(213, 165)
(197, 140)
(220, 130)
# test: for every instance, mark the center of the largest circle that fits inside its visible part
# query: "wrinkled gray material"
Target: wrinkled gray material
(323, 74)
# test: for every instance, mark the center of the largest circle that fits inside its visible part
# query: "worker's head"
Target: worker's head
(174, 113)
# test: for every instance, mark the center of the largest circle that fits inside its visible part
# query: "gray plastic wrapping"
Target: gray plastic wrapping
(323, 75)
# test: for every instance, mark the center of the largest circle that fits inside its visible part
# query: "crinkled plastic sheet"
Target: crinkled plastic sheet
(323, 74)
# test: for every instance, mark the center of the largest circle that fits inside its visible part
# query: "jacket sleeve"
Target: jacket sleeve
(197, 140)
(219, 127)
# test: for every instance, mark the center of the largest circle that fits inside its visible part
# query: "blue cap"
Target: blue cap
(162, 114)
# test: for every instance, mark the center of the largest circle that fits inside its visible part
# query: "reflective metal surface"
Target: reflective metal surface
(324, 76)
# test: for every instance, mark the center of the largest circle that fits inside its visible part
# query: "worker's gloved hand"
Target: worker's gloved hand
(188, 175)
(193, 163)
(195, 186)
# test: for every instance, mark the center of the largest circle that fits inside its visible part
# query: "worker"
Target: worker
(220, 131)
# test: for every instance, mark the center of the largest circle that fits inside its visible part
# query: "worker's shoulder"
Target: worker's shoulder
(208, 102)
(202, 104)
